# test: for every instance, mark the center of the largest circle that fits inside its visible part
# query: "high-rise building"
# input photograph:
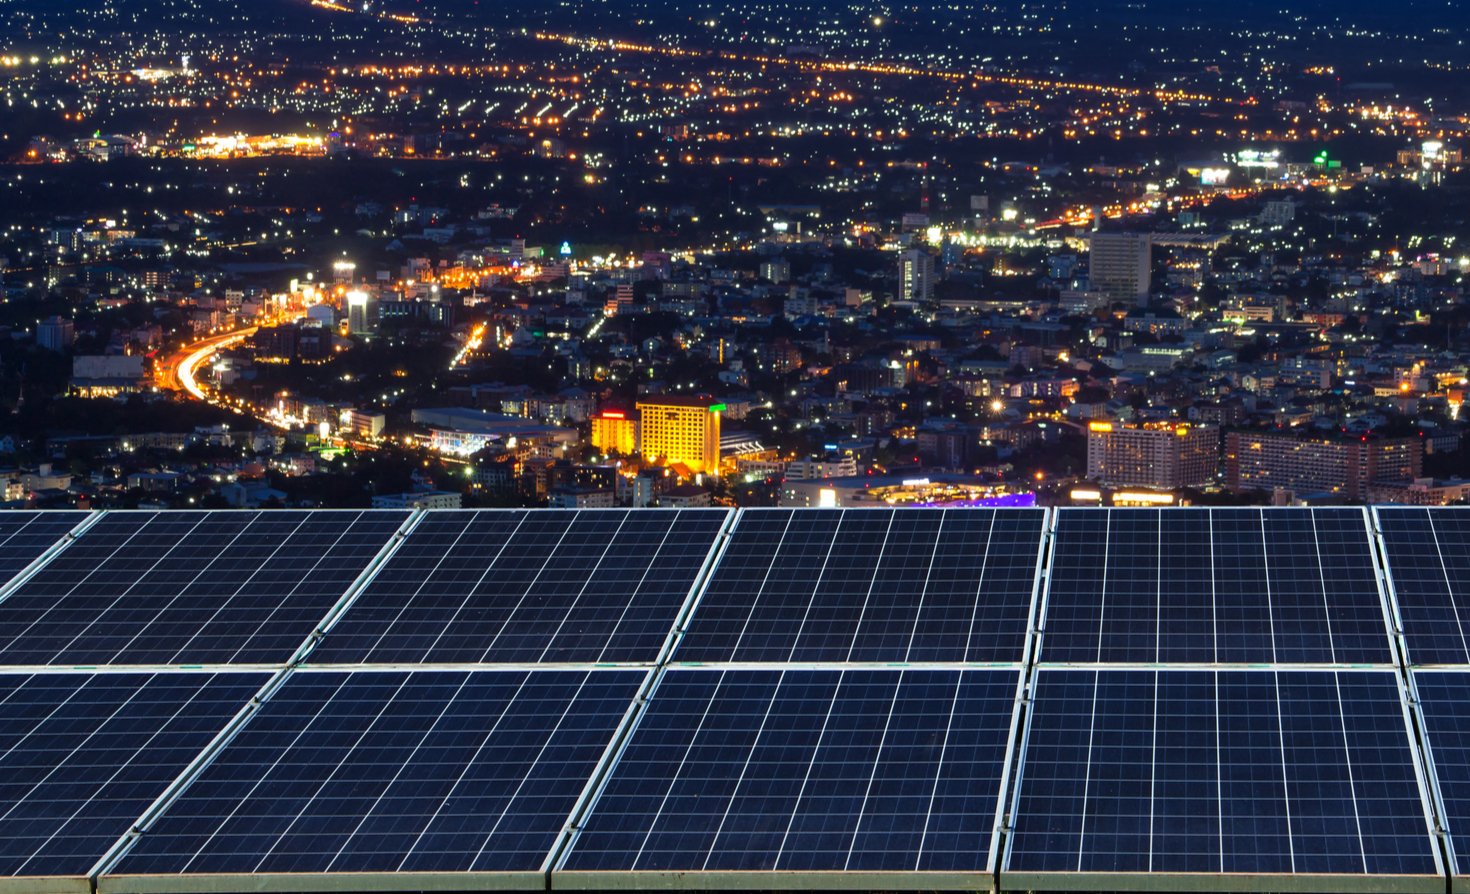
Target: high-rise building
(1121, 265)
(915, 276)
(682, 430)
(362, 314)
(1162, 455)
(55, 333)
(1315, 464)
(615, 430)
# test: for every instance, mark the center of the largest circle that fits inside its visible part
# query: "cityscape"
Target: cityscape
(655, 445)
(319, 255)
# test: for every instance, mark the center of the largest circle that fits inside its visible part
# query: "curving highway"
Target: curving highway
(178, 370)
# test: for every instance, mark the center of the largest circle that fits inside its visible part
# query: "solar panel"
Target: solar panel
(82, 756)
(836, 700)
(25, 536)
(870, 585)
(1258, 773)
(1428, 555)
(1444, 699)
(1294, 586)
(190, 587)
(538, 586)
(392, 772)
(806, 770)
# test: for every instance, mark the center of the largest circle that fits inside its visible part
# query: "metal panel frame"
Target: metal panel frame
(1415, 706)
(44, 559)
(38, 669)
(45, 884)
(1428, 783)
(578, 820)
(304, 882)
(601, 772)
(1206, 882)
(700, 586)
(354, 589)
(775, 880)
(1396, 615)
(1393, 622)
(1040, 586)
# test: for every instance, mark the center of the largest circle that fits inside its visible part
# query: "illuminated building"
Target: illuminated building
(362, 313)
(1156, 455)
(1086, 496)
(362, 423)
(915, 276)
(1120, 265)
(682, 430)
(108, 375)
(416, 312)
(615, 431)
(875, 492)
(1345, 466)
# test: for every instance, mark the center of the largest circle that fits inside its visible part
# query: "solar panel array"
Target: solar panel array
(529, 586)
(1211, 699)
(190, 587)
(841, 585)
(1427, 552)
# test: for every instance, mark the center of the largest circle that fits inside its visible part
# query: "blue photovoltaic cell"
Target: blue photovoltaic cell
(807, 770)
(1269, 772)
(24, 536)
(1445, 701)
(1289, 586)
(82, 756)
(1428, 555)
(190, 587)
(537, 586)
(377, 771)
(870, 585)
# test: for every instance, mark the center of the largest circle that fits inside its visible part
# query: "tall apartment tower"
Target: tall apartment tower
(1157, 455)
(362, 313)
(1121, 265)
(1312, 464)
(915, 276)
(682, 430)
